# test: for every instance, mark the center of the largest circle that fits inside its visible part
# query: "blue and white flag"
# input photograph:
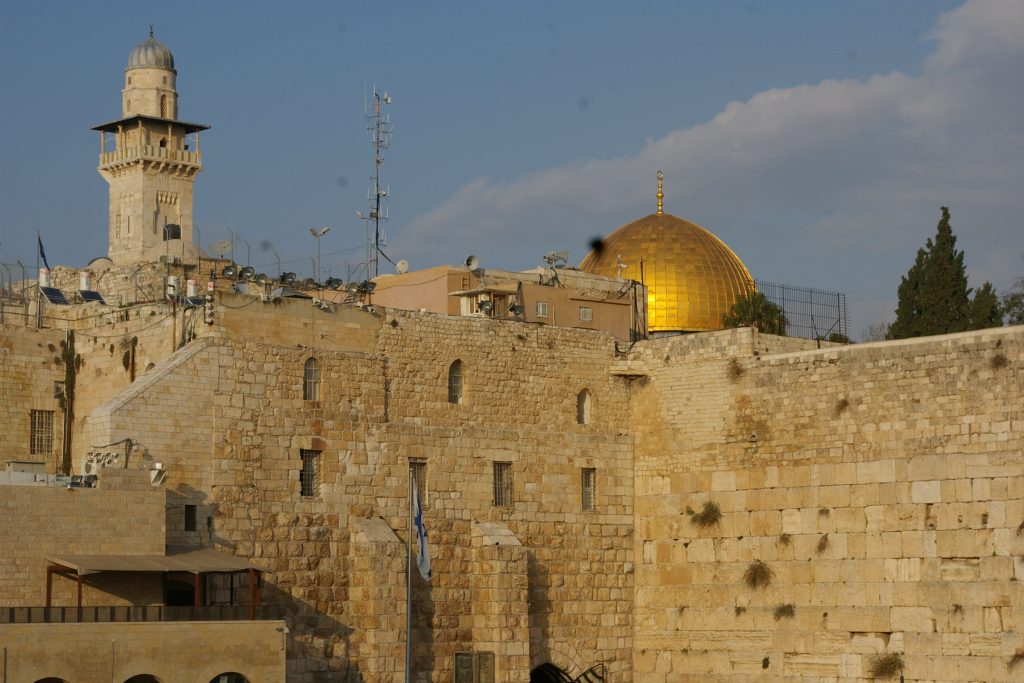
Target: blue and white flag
(422, 549)
(42, 252)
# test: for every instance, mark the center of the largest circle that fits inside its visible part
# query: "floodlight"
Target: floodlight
(309, 283)
(485, 306)
(230, 271)
(287, 278)
(247, 273)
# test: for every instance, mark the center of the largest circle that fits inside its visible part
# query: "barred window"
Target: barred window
(583, 407)
(502, 484)
(311, 381)
(455, 382)
(41, 433)
(586, 314)
(309, 477)
(190, 518)
(542, 309)
(588, 485)
(418, 471)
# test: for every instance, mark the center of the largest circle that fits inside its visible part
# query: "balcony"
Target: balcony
(151, 153)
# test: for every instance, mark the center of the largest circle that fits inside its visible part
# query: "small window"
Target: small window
(165, 80)
(542, 309)
(418, 471)
(309, 478)
(586, 314)
(502, 484)
(163, 143)
(41, 434)
(583, 407)
(455, 382)
(588, 485)
(190, 518)
(311, 380)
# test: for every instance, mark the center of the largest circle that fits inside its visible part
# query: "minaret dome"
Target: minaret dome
(149, 81)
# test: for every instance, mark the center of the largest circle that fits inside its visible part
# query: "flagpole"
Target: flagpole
(39, 280)
(408, 591)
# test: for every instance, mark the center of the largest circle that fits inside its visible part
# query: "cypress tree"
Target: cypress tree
(933, 295)
(986, 310)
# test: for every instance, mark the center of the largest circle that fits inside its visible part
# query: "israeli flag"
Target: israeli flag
(422, 549)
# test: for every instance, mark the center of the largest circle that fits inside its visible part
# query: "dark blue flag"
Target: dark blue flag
(42, 252)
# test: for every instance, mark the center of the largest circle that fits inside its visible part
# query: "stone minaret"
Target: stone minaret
(152, 167)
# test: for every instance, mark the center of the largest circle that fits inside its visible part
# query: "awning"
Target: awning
(177, 559)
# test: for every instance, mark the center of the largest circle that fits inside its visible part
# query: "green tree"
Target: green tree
(754, 310)
(986, 310)
(934, 297)
(1013, 303)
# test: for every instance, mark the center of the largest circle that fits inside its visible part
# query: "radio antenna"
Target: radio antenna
(378, 124)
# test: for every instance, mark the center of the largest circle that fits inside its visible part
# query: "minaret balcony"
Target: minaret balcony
(150, 153)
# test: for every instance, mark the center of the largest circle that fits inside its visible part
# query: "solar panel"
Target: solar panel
(89, 295)
(54, 296)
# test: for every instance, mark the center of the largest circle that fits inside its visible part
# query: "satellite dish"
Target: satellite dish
(247, 273)
(221, 247)
(472, 262)
(230, 271)
(402, 266)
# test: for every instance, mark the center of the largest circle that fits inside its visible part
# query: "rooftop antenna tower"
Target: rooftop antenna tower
(378, 124)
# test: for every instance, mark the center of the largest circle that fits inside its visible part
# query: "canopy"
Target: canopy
(177, 559)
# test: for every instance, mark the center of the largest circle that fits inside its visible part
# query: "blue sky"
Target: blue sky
(817, 139)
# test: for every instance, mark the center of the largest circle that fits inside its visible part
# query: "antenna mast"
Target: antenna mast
(378, 124)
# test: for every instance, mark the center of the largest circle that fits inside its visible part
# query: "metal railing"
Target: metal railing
(109, 614)
(810, 313)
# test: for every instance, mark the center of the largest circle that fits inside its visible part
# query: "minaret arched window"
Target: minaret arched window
(311, 380)
(455, 382)
(583, 407)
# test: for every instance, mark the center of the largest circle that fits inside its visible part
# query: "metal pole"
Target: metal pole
(408, 592)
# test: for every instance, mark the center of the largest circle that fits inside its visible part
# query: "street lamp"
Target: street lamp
(318, 233)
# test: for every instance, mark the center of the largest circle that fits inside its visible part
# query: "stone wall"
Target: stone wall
(383, 400)
(172, 652)
(880, 486)
(30, 362)
(114, 519)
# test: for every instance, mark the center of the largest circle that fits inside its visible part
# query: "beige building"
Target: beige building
(721, 506)
(565, 297)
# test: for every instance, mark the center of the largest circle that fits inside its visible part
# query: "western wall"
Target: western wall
(879, 484)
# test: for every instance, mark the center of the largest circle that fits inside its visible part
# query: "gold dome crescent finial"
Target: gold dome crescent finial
(661, 195)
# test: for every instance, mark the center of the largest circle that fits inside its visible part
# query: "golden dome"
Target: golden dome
(692, 277)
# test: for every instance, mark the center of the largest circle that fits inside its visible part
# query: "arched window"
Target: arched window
(51, 680)
(230, 677)
(455, 382)
(583, 407)
(311, 380)
(164, 111)
(143, 678)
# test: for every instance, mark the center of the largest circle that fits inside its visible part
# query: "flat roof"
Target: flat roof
(112, 126)
(176, 559)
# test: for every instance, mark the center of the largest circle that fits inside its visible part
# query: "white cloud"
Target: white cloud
(832, 185)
